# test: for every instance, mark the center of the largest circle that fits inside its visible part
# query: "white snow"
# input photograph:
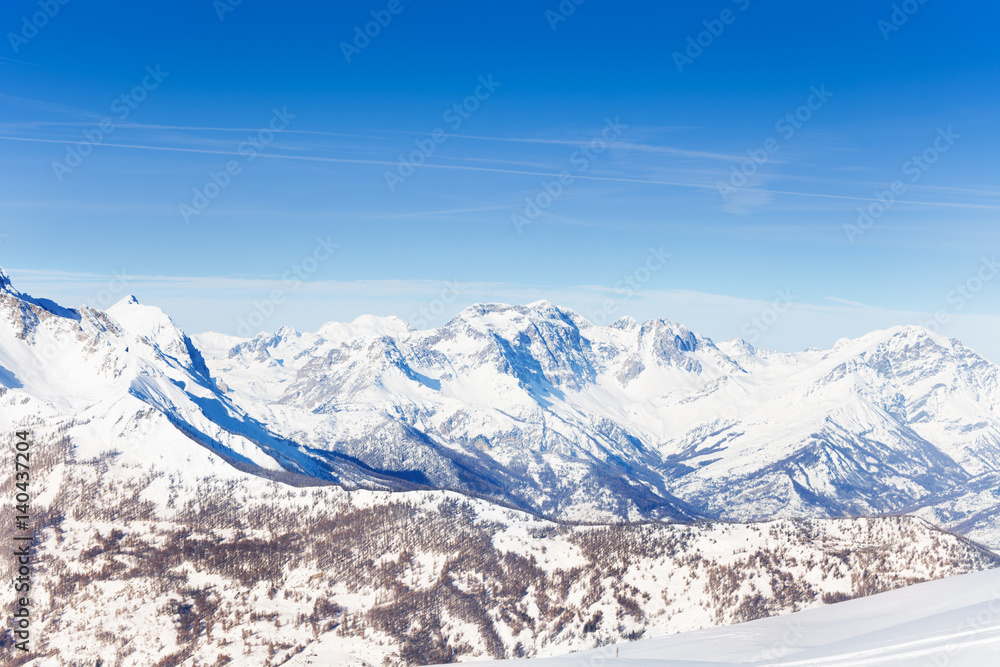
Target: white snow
(953, 622)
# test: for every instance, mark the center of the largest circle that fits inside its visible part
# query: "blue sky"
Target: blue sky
(112, 123)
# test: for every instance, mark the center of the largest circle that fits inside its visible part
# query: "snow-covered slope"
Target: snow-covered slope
(81, 368)
(954, 622)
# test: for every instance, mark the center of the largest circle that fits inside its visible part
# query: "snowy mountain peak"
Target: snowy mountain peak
(481, 309)
(904, 334)
(45, 304)
(507, 320)
(626, 323)
(139, 319)
(913, 330)
(130, 300)
(156, 327)
(541, 304)
(737, 347)
(553, 311)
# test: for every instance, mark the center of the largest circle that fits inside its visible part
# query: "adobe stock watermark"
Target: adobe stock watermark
(697, 44)
(122, 107)
(915, 168)
(106, 297)
(963, 293)
(581, 159)
(759, 324)
(223, 7)
(629, 285)
(292, 280)
(427, 145)
(363, 35)
(30, 25)
(786, 127)
(425, 316)
(562, 13)
(781, 647)
(899, 17)
(249, 149)
(600, 657)
(983, 620)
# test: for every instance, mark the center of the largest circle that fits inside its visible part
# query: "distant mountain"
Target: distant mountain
(535, 407)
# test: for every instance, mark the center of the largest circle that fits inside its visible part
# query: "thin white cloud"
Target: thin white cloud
(549, 175)
(846, 301)
(317, 158)
(624, 145)
(191, 128)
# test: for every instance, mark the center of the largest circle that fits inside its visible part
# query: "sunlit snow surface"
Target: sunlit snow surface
(953, 622)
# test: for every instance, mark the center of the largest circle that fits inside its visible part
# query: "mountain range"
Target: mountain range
(536, 408)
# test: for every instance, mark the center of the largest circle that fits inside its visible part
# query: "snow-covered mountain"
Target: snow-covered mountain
(130, 377)
(511, 402)
(538, 406)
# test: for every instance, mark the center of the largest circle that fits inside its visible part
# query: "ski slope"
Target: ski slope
(953, 622)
